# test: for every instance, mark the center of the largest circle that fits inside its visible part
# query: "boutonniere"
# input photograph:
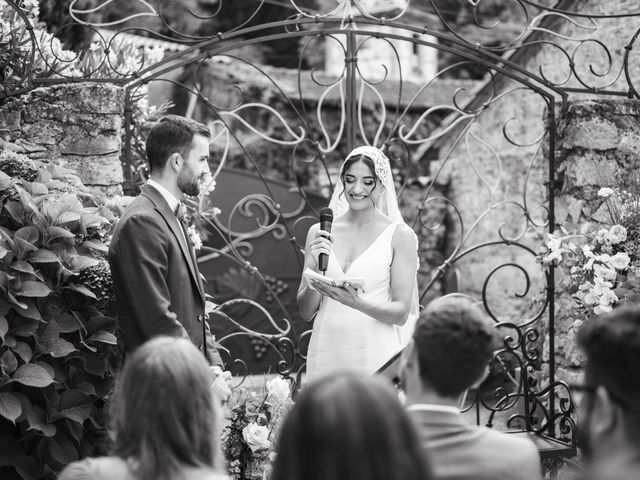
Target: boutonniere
(194, 237)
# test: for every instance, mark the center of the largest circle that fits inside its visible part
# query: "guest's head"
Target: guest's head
(178, 152)
(164, 415)
(348, 427)
(609, 412)
(450, 350)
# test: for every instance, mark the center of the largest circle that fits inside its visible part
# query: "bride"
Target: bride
(369, 240)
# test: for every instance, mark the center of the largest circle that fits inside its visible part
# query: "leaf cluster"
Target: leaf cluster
(58, 349)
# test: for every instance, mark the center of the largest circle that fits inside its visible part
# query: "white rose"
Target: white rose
(256, 436)
(617, 234)
(278, 389)
(605, 192)
(599, 309)
(603, 272)
(620, 261)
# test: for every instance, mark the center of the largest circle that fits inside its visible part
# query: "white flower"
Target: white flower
(617, 234)
(256, 436)
(599, 309)
(605, 192)
(591, 299)
(194, 237)
(278, 389)
(620, 261)
(600, 285)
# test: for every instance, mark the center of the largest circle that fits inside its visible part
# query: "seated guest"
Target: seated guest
(609, 411)
(450, 353)
(165, 418)
(348, 427)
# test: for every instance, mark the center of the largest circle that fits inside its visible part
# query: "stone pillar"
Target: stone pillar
(76, 125)
(598, 144)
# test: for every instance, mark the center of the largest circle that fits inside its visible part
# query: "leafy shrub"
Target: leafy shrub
(58, 349)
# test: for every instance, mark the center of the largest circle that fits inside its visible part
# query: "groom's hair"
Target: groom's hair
(454, 342)
(172, 134)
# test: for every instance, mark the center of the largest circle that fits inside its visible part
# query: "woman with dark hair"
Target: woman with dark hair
(165, 419)
(349, 427)
(369, 239)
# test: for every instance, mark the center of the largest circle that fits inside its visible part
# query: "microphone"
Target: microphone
(326, 217)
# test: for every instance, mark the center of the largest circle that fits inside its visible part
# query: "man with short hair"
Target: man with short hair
(609, 411)
(158, 286)
(450, 352)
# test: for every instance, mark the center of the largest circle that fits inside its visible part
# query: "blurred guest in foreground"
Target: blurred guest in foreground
(609, 411)
(450, 353)
(165, 417)
(348, 427)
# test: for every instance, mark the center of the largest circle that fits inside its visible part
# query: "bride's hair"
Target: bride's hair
(349, 427)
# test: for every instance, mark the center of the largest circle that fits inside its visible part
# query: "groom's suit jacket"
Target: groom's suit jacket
(158, 287)
(457, 450)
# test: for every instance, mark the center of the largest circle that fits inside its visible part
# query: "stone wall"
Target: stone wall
(76, 125)
(598, 144)
(487, 167)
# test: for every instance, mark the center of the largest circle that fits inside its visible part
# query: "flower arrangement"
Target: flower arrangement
(604, 264)
(249, 440)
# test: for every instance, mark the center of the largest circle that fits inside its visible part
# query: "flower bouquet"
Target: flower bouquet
(604, 264)
(249, 440)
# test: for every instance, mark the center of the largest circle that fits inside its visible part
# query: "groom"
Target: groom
(158, 287)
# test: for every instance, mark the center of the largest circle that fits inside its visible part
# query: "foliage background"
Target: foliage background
(58, 348)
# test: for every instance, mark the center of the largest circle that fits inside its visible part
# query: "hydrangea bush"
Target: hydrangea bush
(58, 348)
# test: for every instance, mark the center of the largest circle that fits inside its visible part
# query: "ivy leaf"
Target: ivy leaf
(23, 350)
(36, 420)
(43, 256)
(96, 245)
(4, 327)
(67, 217)
(81, 289)
(31, 311)
(29, 234)
(103, 337)
(62, 449)
(59, 232)
(25, 267)
(80, 262)
(32, 376)
(47, 368)
(4, 252)
(86, 387)
(8, 362)
(25, 329)
(68, 323)
(75, 406)
(22, 246)
(10, 407)
(27, 467)
(52, 343)
(32, 288)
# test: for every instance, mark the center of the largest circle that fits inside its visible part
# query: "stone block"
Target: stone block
(10, 117)
(91, 145)
(595, 133)
(590, 168)
(95, 170)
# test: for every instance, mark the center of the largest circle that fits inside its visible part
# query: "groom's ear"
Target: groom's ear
(175, 162)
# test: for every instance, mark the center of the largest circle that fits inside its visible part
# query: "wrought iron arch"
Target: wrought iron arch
(297, 123)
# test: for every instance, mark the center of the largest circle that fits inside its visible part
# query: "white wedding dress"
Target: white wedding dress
(344, 338)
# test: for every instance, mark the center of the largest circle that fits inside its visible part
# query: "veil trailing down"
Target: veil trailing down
(364, 333)
(388, 204)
